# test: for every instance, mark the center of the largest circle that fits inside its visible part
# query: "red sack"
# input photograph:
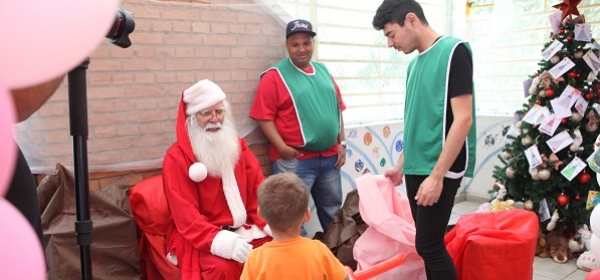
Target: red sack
(151, 215)
(497, 245)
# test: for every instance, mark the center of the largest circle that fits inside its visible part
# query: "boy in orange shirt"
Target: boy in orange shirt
(283, 204)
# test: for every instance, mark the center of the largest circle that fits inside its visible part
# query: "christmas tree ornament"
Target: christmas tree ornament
(554, 59)
(542, 93)
(578, 197)
(528, 205)
(563, 121)
(570, 37)
(550, 93)
(591, 77)
(510, 172)
(526, 141)
(572, 74)
(567, 7)
(544, 174)
(578, 54)
(588, 96)
(576, 117)
(552, 224)
(538, 102)
(505, 155)
(584, 177)
(562, 200)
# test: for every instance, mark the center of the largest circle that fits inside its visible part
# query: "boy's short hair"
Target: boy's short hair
(283, 199)
(394, 11)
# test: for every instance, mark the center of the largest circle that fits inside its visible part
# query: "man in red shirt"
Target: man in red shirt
(211, 180)
(298, 107)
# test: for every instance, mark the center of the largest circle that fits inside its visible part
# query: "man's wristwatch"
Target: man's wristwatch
(343, 143)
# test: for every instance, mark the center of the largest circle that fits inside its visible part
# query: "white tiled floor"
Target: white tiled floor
(543, 269)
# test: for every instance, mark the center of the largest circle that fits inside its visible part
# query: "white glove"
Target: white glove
(241, 249)
(229, 245)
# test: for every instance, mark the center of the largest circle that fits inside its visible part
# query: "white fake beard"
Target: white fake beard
(218, 150)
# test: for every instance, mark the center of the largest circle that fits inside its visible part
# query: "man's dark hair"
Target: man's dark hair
(394, 11)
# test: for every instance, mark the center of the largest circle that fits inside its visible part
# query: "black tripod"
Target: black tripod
(79, 130)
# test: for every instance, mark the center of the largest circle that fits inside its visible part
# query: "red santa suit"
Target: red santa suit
(200, 210)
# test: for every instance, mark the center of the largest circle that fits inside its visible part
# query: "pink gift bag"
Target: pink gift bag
(391, 229)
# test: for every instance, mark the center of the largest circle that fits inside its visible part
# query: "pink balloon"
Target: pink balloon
(44, 39)
(7, 142)
(21, 254)
(593, 275)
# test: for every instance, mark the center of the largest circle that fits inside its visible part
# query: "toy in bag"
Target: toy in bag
(390, 238)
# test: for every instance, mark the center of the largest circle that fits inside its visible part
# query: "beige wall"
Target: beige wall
(133, 93)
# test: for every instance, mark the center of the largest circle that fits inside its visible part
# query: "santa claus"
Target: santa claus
(211, 179)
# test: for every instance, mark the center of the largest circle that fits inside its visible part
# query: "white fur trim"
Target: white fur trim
(250, 234)
(197, 172)
(202, 95)
(222, 244)
(172, 259)
(234, 200)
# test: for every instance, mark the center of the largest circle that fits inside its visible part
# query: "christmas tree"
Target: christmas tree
(545, 159)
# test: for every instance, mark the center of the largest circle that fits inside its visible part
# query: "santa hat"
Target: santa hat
(202, 95)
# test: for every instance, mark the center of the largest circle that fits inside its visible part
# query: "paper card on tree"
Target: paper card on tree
(552, 49)
(541, 115)
(581, 105)
(583, 32)
(573, 168)
(594, 161)
(592, 200)
(561, 107)
(532, 114)
(562, 67)
(592, 61)
(596, 107)
(570, 93)
(533, 156)
(550, 124)
(559, 141)
(526, 85)
(544, 211)
(555, 20)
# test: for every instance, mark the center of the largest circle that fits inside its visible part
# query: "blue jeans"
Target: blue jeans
(323, 181)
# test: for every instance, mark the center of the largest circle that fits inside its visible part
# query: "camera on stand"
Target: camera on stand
(121, 28)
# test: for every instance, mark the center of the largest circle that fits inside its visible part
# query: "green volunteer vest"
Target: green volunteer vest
(425, 110)
(316, 103)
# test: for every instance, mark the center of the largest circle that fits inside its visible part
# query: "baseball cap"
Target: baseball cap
(299, 25)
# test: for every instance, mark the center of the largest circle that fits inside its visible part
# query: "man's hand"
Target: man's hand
(395, 174)
(240, 251)
(429, 191)
(341, 157)
(287, 152)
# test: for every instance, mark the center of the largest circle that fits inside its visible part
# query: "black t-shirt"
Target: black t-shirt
(22, 193)
(461, 82)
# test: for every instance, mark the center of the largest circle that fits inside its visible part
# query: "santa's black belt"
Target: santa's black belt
(229, 228)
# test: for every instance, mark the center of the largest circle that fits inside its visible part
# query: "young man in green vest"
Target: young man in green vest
(298, 107)
(439, 126)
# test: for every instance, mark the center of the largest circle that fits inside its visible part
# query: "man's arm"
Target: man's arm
(30, 99)
(341, 159)
(268, 129)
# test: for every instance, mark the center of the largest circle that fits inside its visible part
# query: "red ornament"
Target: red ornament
(588, 96)
(577, 197)
(569, 38)
(572, 74)
(550, 92)
(553, 37)
(568, 7)
(563, 121)
(538, 102)
(584, 178)
(562, 199)
(577, 75)
(561, 31)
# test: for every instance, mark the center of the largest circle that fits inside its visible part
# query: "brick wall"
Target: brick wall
(133, 93)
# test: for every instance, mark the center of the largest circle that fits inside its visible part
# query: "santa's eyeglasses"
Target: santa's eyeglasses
(209, 114)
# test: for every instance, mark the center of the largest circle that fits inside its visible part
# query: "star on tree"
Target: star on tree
(568, 7)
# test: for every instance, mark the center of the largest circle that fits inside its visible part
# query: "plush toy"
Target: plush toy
(587, 261)
(497, 205)
(575, 244)
(558, 247)
(541, 249)
(586, 237)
